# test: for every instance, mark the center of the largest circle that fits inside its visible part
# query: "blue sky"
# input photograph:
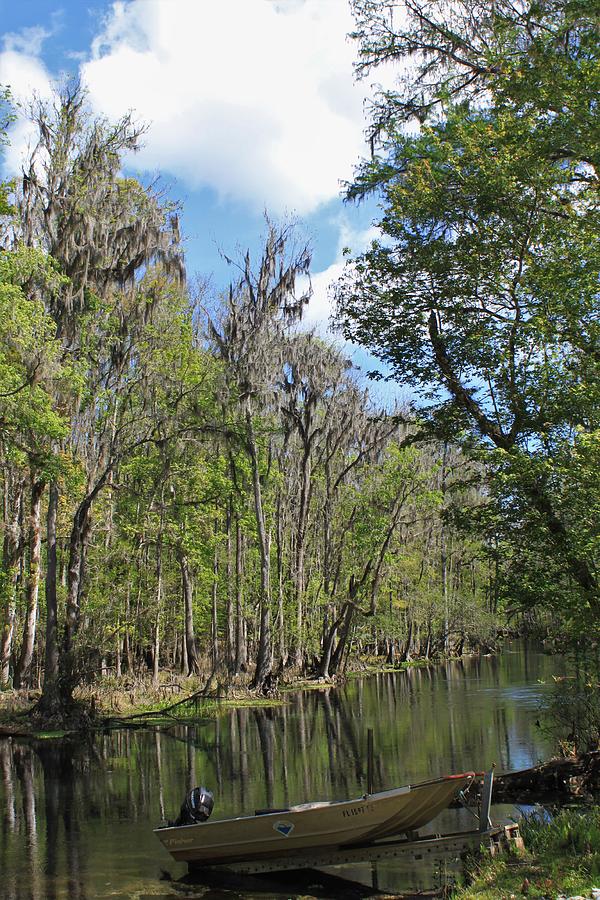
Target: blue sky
(251, 106)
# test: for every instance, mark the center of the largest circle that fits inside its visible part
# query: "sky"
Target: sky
(251, 106)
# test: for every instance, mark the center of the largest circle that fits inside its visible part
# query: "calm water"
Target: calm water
(76, 818)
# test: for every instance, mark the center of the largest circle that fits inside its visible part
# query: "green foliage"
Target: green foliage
(482, 291)
(31, 367)
(571, 831)
(573, 714)
(208, 493)
(562, 857)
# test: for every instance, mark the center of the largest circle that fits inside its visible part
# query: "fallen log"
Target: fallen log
(558, 780)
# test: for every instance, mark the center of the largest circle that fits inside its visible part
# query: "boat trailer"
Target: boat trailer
(411, 847)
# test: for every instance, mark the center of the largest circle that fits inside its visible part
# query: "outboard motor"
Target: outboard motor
(196, 807)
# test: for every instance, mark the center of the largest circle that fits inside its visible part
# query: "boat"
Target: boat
(331, 824)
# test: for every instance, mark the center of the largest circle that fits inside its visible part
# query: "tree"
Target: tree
(260, 307)
(482, 293)
(312, 379)
(190, 489)
(104, 232)
(30, 423)
(531, 55)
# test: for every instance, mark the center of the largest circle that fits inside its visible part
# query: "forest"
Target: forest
(195, 484)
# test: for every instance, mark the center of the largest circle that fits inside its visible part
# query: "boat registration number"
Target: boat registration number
(358, 810)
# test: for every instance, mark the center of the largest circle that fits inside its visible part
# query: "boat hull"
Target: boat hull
(312, 825)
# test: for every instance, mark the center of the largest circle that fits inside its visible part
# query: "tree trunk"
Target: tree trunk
(49, 703)
(280, 610)
(328, 643)
(300, 554)
(11, 565)
(156, 646)
(263, 660)
(185, 668)
(33, 583)
(241, 651)
(192, 662)
(444, 553)
(344, 630)
(126, 636)
(76, 561)
(214, 626)
(118, 669)
(408, 650)
(229, 623)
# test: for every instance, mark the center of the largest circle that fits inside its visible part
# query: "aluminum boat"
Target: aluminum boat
(328, 824)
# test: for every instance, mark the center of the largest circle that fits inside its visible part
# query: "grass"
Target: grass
(197, 709)
(562, 856)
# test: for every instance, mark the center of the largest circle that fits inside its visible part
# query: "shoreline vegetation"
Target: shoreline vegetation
(561, 859)
(114, 703)
(571, 777)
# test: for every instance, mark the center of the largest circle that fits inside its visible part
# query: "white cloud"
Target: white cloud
(320, 307)
(28, 41)
(24, 73)
(253, 98)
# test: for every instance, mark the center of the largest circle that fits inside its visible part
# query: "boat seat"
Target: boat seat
(266, 812)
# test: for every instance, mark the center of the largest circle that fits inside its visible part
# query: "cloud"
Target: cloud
(320, 307)
(29, 41)
(318, 314)
(25, 74)
(253, 98)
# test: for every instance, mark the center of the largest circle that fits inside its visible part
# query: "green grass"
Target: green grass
(192, 710)
(49, 735)
(561, 857)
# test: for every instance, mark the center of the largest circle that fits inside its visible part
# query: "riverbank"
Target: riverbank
(113, 705)
(116, 702)
(561, 858)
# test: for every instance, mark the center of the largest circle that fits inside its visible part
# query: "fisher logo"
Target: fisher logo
(284, 828)
(178, 842)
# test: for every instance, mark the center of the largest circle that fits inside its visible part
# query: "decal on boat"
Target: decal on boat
(358, 810)
(284, 828)
(178, 842)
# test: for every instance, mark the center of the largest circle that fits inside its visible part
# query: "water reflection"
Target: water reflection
(77, 817)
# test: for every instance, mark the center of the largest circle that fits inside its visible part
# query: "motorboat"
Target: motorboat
(330, 824)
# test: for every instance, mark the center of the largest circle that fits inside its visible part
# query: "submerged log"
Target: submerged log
(558, 780)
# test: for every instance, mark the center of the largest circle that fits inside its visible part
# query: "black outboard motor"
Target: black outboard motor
(196, 807)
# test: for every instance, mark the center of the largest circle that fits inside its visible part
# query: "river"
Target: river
(76, 817)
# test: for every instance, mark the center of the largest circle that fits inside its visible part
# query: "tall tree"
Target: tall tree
(312, 376)
(103, 231)
(483, 291)
(260, 307)
(30, 422)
